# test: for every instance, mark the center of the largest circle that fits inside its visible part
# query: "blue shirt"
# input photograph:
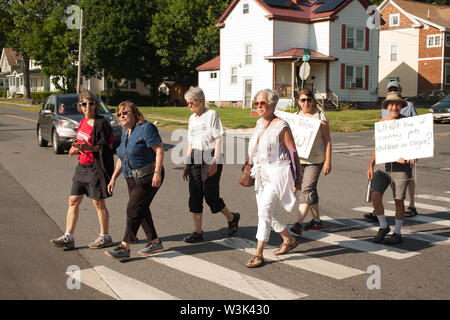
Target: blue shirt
(408, 111)
(139, 147)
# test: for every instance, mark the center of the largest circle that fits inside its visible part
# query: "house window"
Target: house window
(354, 77)
(234, 74)
(394, 20)
(248, 54)
(355, 38)
(133, 84)
(447, 73)
(447, 40)
(213, 75)
(245, 8)
(434, 41)
(21, 81)
(394, 52)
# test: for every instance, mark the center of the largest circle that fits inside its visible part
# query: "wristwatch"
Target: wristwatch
(158, 172)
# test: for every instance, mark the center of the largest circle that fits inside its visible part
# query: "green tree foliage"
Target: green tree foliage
(184, 34)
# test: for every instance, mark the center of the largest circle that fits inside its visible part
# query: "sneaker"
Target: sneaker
(381, 234)
(194, 237)
(297, 228)
(233, 225)
(393, 239)
(63, 242)
(118, 253)
(151, 248)
(371, 216)
(313, 225)
(101, 242)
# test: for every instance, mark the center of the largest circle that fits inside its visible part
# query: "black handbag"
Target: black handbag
(142, 176)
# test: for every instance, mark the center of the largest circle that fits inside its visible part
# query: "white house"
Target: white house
(262, 43)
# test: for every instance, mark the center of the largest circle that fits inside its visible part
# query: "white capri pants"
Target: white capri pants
(268, 204)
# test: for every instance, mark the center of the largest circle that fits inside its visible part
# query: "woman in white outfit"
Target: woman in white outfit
(270, 150)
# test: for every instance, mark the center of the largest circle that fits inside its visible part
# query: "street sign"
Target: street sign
(304, 71)
(305, 58)
(306, 55)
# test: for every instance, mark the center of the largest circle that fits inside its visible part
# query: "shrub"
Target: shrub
(40, 96)
(4, 92)
(116, 97)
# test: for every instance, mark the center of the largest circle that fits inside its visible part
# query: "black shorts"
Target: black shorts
(87, 182)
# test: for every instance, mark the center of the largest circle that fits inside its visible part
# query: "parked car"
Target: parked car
(59, 119)
(428, 98)
(441, 110)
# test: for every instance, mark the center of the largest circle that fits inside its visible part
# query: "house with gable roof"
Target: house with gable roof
(262, 43)
(414, 46)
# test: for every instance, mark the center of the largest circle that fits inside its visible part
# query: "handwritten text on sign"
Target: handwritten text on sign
(304, 130)
(407, 138)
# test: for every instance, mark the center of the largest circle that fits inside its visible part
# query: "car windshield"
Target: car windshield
(68, 105)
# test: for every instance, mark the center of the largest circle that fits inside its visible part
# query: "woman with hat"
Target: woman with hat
(396, 174)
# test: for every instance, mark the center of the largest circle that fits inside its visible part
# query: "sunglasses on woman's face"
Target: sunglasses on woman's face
(305, 100)
(123, 113)
(85, 104)
(262, 103)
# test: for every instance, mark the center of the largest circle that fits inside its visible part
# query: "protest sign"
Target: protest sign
(407, 138)
(304, 130)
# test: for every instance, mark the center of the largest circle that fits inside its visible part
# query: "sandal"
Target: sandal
(255, 262)
(286, 247)
(410, 212)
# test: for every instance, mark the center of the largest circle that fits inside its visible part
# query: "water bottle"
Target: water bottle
(369, 191)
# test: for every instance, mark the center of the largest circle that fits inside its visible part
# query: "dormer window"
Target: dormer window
(394, 20)
(245, 8)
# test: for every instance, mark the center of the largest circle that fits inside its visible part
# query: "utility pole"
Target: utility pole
(79, 52)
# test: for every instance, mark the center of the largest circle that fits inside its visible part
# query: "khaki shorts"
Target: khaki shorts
(397, 179)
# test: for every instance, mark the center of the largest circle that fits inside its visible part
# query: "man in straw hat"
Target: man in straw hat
(396, 174)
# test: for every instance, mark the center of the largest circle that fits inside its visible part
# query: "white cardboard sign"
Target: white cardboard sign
(407, 138)
(304, 130)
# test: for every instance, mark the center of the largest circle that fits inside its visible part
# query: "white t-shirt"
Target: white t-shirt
(204, 130)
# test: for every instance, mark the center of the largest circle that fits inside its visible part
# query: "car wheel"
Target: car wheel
(41, 141)
(55, 142)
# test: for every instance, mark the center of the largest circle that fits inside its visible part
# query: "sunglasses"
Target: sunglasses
(257, 103)
(123, 113)
(85, 104)
(305, 100)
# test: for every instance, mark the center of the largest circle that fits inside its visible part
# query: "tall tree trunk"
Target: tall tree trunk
(26, 77)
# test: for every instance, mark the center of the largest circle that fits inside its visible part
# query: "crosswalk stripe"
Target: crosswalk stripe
(243, 283)
(330, 219)
(340, 144)
(418, 218)
(294, 259)
(370, 247)
(352, 150)
(431, 197)
(429, 207)
(347, 146)
(119, 286)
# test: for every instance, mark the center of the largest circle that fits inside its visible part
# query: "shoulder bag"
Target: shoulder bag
(142, 176)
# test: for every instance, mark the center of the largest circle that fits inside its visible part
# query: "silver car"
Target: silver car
(59, 119)
(441, 110)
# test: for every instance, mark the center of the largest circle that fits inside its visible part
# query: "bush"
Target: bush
(17, 95)
(40, 96)
(116, 97)
(4, 92)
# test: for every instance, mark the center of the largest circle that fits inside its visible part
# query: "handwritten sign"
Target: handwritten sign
(407, 138)
(304, 130)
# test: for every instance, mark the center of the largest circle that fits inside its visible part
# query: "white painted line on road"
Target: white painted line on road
(294, 259)
(431, 197)
(347, 146)
(352, 150)
(445, 169)
(231, 279)
(340, 144)
(365, 246)
(419, 218)
(120, 286)
(332, 220)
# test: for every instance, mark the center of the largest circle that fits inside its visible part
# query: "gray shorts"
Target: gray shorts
(397, 179)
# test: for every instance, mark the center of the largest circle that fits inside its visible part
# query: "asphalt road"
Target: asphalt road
(34, 193)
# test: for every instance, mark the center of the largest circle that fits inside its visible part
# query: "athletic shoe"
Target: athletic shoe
(101, 242)
(118, 253)
(381, 234)
(194, 237)
(393, 239)
(313, 225)
(151, 248)
(63, 242)
(297, 228)
(233, 225)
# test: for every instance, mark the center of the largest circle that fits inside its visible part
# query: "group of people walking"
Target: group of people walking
(279, 173)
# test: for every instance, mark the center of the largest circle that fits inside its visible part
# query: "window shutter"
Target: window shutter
(342, 76)
(367, 38)
(367, 79)
(344, 37)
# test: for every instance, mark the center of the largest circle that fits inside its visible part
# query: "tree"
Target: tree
(184, 34)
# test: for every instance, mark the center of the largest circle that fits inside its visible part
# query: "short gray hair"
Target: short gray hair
(272, 96)
(194, 93)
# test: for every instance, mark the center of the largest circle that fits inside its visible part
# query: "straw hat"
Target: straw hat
(393, 97)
